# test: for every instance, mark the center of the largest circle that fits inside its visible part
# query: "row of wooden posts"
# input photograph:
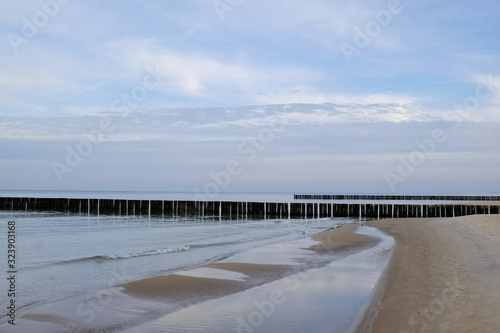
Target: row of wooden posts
(396, 197)
(239, 210)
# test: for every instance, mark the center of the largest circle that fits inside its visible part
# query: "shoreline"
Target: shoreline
(316, 297)
(184, 287)
(442, 277)
(150, 299)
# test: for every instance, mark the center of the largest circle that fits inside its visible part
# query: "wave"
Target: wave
(145, 253)
(102, 258)
(106, 258)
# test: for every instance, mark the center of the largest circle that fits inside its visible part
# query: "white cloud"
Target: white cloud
(312, 97)
(205, 75)
(205, 124)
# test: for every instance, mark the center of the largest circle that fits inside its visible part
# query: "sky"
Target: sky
(210, 96)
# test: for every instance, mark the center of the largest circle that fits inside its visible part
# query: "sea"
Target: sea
(59, 255)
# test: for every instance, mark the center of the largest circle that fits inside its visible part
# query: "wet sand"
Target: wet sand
(172, 292)
(325, 299)
(343, 238)
(189, 290)
(443, 277)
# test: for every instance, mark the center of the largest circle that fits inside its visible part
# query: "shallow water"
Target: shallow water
(326, 299)
(59, 255)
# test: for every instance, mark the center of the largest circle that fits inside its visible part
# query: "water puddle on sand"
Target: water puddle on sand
(326, 299)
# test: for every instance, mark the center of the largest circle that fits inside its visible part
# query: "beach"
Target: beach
(318, 282)
(443, 277)
(393, 275)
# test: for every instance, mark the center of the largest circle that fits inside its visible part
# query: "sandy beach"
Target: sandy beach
(443, 277)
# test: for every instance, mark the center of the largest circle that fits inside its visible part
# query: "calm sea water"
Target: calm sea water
(59, 255)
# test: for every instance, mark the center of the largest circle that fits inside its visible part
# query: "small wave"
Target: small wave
(128, 256)
(201, 246)
(145, 253)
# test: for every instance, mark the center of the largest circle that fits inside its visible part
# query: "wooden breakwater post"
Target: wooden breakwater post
(243, 210)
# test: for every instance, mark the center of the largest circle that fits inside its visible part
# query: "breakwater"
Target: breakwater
(396, 197)
(244, 210)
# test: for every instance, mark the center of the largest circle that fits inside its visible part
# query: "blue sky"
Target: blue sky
(185, 87)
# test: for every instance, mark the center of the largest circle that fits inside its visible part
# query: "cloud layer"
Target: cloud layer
(186, 88)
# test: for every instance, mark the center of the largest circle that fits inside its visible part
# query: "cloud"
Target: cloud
(211, 124)
(207, 75)
(311, 97)
(211, 77)
(253, 57)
